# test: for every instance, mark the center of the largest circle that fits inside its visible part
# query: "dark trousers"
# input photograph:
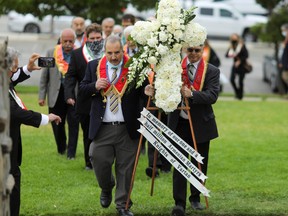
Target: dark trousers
(85, 121)
(15, 195)
(73, 130)
(238, 88)
(64, 110)
(113, 144)
(180, 182)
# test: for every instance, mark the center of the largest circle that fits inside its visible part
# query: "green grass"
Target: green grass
(247, 172)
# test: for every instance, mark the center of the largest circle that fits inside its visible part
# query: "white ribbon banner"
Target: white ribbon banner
(173, 161)
(162, 139)
(185, 146)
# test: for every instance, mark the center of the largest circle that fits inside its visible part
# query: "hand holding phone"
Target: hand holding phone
(46, 62)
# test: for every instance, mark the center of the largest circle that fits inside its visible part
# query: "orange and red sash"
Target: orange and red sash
(121, 84)
(126, 49)
(61, 64)
(17, 99)
(199, 76)
(206, 53)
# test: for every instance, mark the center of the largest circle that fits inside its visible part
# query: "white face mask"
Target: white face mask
(284, 33)
(111, 65)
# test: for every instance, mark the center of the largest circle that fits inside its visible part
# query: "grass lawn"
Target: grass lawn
(247, 172)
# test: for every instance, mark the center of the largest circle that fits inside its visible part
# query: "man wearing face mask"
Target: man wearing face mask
(78, 25)
(93, 49)
(238, 51)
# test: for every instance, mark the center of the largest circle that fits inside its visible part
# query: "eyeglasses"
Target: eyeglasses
(196, 50)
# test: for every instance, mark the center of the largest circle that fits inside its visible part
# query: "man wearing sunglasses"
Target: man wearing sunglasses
(201, 88)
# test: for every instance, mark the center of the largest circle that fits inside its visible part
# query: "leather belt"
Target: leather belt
(113, 123)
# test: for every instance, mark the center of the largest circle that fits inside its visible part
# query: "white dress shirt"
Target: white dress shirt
(109, 116)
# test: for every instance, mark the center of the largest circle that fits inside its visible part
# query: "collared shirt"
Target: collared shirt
(109, 116)
(183, 113)
(195, 64)
(66, 56)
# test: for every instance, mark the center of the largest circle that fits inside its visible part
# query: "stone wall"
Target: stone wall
(6, 180)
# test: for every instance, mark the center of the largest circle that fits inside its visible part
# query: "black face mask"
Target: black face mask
(96, 47)
(234, 42)
(80, 34)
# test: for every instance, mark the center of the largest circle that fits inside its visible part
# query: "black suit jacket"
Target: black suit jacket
(74, 76)
(19, 116)
(130, 103)
(203, 118)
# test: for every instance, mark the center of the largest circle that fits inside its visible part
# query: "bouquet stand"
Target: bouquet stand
(148, 107)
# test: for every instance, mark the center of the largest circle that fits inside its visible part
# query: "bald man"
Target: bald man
(52, 86)
(107, 27)
(78, 25)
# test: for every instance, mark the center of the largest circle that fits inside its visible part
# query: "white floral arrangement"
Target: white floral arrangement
(159, 43)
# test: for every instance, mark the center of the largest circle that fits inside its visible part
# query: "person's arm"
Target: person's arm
(243, 54)
(24, 72)
(210, 91)
(71, 80)
(87, 87)
(43, 86)
(50, 118)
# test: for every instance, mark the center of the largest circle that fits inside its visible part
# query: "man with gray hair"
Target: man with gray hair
(113, 123)
(130, 48)
(78, 25)
(52, 86)
(107, 27)
(20, 115)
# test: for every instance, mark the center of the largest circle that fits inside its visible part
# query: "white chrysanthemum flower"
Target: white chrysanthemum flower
(160, 42)
(195, 34)
(152, 60)
(162, 50)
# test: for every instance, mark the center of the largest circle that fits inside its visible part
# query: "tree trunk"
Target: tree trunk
(6, 179)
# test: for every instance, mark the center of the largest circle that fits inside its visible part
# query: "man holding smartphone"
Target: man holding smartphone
(52, 85)
(19, 115)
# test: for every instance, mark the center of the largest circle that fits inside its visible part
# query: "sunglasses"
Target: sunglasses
(196, 50)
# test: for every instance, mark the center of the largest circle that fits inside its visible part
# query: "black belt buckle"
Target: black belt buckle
(113, 123)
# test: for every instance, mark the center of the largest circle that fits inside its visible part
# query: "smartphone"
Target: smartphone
(46, 62)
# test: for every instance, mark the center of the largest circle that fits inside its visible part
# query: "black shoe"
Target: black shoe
(123, 212)
(165, 170)
(88, 168)
(149, 172)
(105, 199)
(178, 211)
(197, 206)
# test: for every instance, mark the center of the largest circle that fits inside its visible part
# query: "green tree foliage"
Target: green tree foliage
(268, 4)
(95, 10)
(271, 31)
